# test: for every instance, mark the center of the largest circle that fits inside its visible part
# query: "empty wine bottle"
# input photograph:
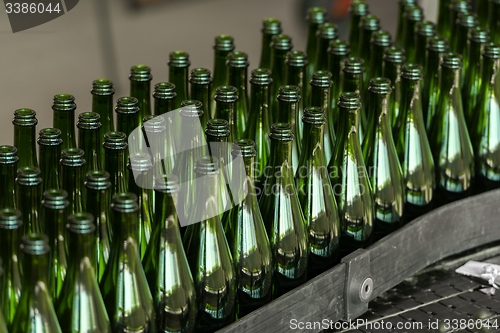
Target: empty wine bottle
(337, 52)
(200, 84)
(25, 137)
(402, 5)
(358, 10)
(424, 30)
(288, 103)
(380, 40)
(115, 145)
(102, 103)
(178, 70)
(368, 25)
(449, 138)
(159, 143)
(326, 33)
(80, 307)
(225, 99)
(140, 87)
(457, 7)
(413, 146)
(270, 27)
(10, 237)
(166, 266)
(350, 181)
(237, 63)
(127, 120)
(280, 46)
(315, 17)
(165, 98)
(35, 312)
(72, 166)
(412, 16)
(124, 286)
(224, 44)
(247, 238)
(315, 194)
(394, 58)
(444, 19)
(50, 142)
(29, 197)
(8, 169)
(89, 136)
(352, 81)
(283, 217)
(208, 253)
(296, 62)
(64, 108)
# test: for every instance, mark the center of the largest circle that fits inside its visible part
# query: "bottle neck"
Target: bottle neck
(312, 143)
(376, 60)
(9, 251)
(220, 68)
(25, 139)
(490, 72)
(127, 122)
(103, 105)
(142, 91)
(411, 108)
(164, 105)
(378, 111)
(7, 184)
(266, 50)
(296, 76)
(354, 34)
(432, 63)
(287, 111)
(72, 182)
(320, 96)
(89, 141)
(450, 79)
(179, 77)
(166, 218)
(35, 270)
(260, 102)
(226, 111)
(312, 43)
(125, 226)
(352, 82)
(83, 251)
(281, 156)
(64, 120)
(114, 163)
(474, 58)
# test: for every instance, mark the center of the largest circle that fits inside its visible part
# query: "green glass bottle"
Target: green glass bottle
(288, 104)
(141, 184)
(8, 168)
(98, 203)
(198, 106)
(36, 312)
(482, 13)
(321, 86)
(444, 19)
(49, 143)
(449, 138)
(208, 253)
(64, 108)
(358, 10)
(55, 214)
(89, 136)
(270, 28)
(10, 236)
(165, 98)
(394, 58)
(115, 146)
(316, 195)
(124, 287)
(237, 63)
(296, 62)
(435, 49)
(127, 120)
(337, 53)
(140, 87)
(352, 81)
(166, 265)
(368, 25)
(478, 37)
(247, 238)
(349, 180)
(25, 136)
(402, 5)
(413, 146)
(225, 99)
(381, 40)
(424, 30)
(102, 103)
(457, 7)
(29, 198)
(412, 16)
(200, 83)
(280, 207)
(315, 17)
(72, 167)
(259, 129)
(464, 25)
(493, 21)
(80, 307)
(159, 142)
(3, 325)
(485, 134)
(224, 44)
(326, 33)
(280, 46)
(178, 66)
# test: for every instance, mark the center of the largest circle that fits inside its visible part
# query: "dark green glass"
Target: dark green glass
(115, 146)
(424, 30)
(403, 4)
(280, 46)
(102, 103)
(352, 81)
(29, 198)
(296, 62)
(50, 142)
(316, 195)
(25, 137)
(127, 120)
(494, 21)
(436, 47)
(165, 264)
(326, 33)
(8, 169)
(413, 146)
(64, 108)
(140, 87)
(89, 136)
(224, 44)
(463, 26)
(247, 237)
(473, 78)
(457, 7)
(485, 134)
(349, 180)
(337, 53)
(237, 68)
(381, 40)
(55, 213)
(368, 25)
(394, 58)
(200, 83)
(225, 99)
(178, 66)
(288, 104)
(208, 253)
(124, 287)
(98, 203)
(159, 142)
(10, 237)
(280, 207)
(35, 313)
(270, 28)
(141, 184)
(165, 98)
(315, 17)
(3, 325)
(482, 12)
(449, 138)
(444, 18)
(358, 10)
(259, 129)
(72, 167)
(80, 307)
(412, 16)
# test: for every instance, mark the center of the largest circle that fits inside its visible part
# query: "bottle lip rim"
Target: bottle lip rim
(35, 244)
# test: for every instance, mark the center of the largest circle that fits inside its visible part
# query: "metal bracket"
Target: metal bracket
(359, 283)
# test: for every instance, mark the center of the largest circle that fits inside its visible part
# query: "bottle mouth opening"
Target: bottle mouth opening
(102, 86)
(281, 132)
(296, 58)
(381, 38)
(28, 176)
(282, 42)
(191, 108)
(200, 76)
(125, 202)
(261, 76)
(467, 20)
(394, 54)
(179, 58)
(328, 31)
(237, 59)
(55, 199)
(359, 8)
(426, 28)
(491, 50)
(289, 93)
(64, 102)
(153, 124)
(316, 15)
(25, 117)
(414, 13)
(451, 60)
(81, 223)
(164, 90)
(10, 218)
(217, 128)
(167, 183)
(140, 162)
(338, 47)
(97, 180)
(437, 44)
(271, 26)
(207, 165)
(321, 79)
(89, 120)
(244, 148)
(115, 140)
(314, 115)
(8, 154)
(35, 244)
(72, 157)
(140, 73)
(479, 35)
(349, 101)
(370, 22)
(354, 65)
(412, 72)
(380, 85)
(227, 94)
(224, 43)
